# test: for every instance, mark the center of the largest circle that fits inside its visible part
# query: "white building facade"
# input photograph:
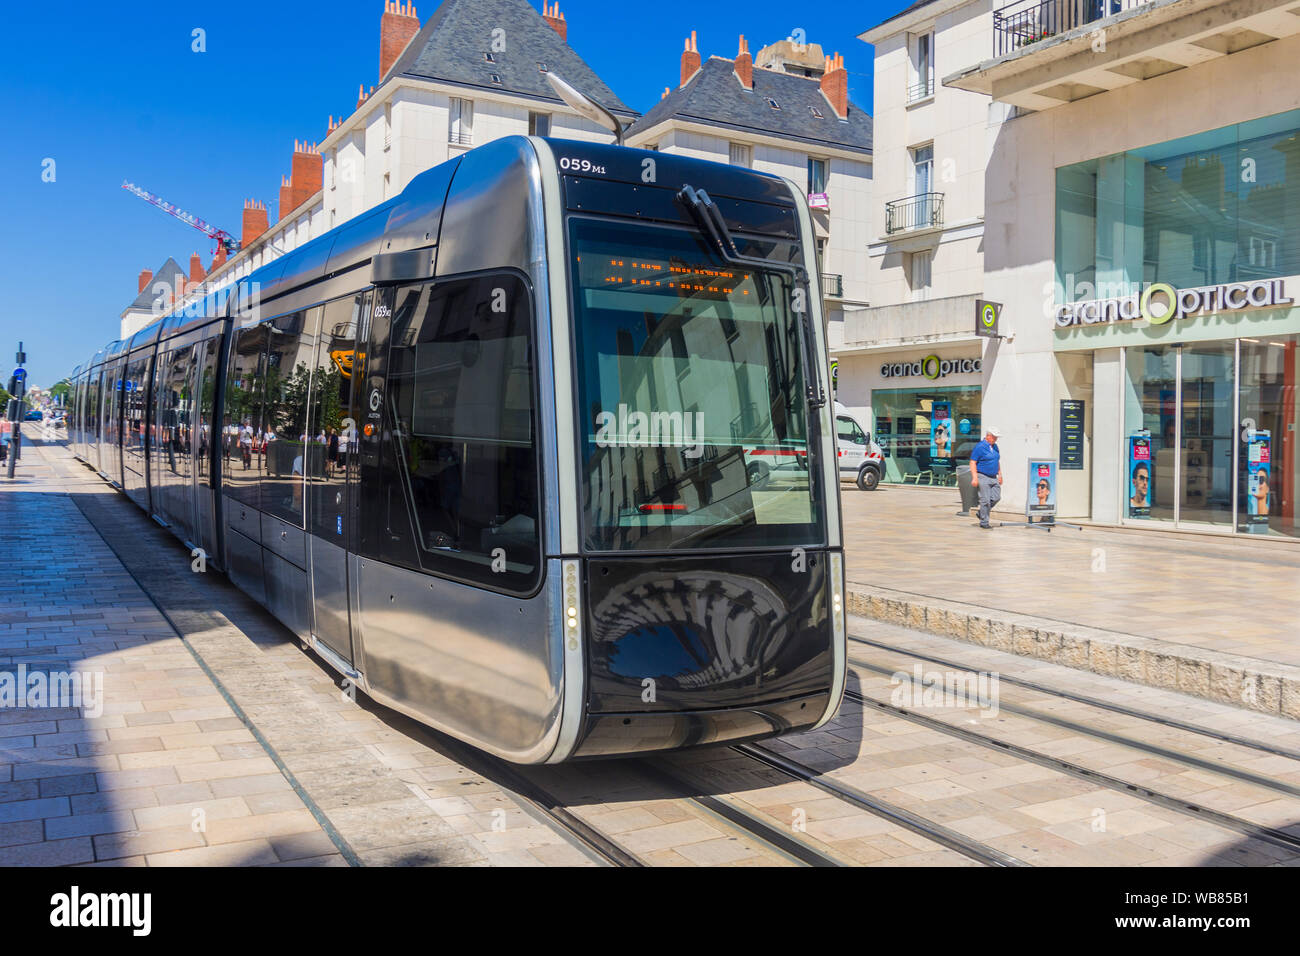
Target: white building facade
(1142, 232)
(910, 366)
(1139, 192)
(792, 118)
(444, 88)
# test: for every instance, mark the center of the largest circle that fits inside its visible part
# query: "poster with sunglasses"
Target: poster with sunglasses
(1140, 478)
(1041, 500)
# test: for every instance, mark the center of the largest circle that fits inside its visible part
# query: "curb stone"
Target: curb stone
(1246, 682)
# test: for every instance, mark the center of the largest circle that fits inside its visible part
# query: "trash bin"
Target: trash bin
(970, 495)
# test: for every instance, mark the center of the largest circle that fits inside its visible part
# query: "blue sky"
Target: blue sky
(113, 92)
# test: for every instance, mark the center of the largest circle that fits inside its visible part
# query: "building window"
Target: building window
(922, 169)
(461, 122)
(539, 124)
(1180, 212)
(922, 72)
(330, 172)
(821, 253)
(920, 268)
(816, 112)
(742, 154)
(926, 433)
(816, 175)
(773, 103)
(388, 125)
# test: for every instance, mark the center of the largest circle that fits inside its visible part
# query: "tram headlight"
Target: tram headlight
(837, 594)
(572, 620)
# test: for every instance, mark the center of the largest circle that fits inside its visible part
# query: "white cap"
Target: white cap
(994, 431)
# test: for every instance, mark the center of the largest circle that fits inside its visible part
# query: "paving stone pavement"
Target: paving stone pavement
(1209, 615)
(169, 773)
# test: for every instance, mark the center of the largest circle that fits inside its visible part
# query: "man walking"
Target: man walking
(986, 472)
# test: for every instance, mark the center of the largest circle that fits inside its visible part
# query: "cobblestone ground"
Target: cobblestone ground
(1239, 596)
(218, 741)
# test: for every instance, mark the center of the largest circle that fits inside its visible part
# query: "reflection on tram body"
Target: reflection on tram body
(558, 487)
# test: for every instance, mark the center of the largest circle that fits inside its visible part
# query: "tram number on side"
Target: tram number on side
(581, 165)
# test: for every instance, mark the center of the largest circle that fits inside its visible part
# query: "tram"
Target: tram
(487, 448)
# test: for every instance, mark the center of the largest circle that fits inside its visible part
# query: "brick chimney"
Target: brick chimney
(254, 222)
(286, 196)
(196, 269)
(146, 276)
(745, 65)
(690, 59)
(835, 85)
(306, 174)
(397, 27)
(219, 259)
(552, 15)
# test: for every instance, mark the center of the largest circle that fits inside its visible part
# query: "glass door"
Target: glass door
(1150, 453)
(1206, 437)
(1267, 488)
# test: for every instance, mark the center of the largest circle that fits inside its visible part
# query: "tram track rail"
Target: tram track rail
(1191, 760)
(1266, 834)
(930, 829)
(1171, 722)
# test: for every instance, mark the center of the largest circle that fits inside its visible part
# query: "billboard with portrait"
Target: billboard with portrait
(1259, 472)
(1140, 477)
(1041, 500)
(941, 430)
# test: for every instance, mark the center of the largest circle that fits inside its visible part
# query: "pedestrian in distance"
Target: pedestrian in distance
(986, 472)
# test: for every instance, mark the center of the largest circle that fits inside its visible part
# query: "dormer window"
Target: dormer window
(541, 67)
(816, 112)
(496, 79)
(773, 103)
(488, 57)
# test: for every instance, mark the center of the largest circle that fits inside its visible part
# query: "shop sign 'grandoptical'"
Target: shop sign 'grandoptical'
(1161, 302)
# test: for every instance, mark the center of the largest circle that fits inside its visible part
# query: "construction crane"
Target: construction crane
(228, 242)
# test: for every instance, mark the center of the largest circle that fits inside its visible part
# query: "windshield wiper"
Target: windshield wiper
(709, 218)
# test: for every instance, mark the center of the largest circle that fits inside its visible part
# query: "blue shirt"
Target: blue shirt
(986, 458)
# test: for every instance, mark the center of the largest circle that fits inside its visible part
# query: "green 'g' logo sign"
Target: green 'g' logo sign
(988, 315)
(986, 318)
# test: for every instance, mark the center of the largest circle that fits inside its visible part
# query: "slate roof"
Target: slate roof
(715, 97)
(167, 272)
(450, 47)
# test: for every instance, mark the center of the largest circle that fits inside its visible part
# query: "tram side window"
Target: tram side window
(462, 456)
(209, 352)
(241, 433)
(136, 398)
(332, 445)
(291, 351)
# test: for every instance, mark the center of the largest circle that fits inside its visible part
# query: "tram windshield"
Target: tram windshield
(693, 422)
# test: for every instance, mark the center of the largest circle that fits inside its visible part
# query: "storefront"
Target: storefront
(922, 407)
(1178, 268)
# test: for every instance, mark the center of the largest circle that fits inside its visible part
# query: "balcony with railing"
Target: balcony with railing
(922, 211)
(832, 285)
(1019, 25)
(1049, 52)
(922, 88)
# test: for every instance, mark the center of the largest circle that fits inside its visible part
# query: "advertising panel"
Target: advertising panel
(1041, 500)
(1140, 478)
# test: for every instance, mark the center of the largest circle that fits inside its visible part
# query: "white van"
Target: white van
(860, 458)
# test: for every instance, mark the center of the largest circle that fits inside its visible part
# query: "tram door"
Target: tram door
(332, 474)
